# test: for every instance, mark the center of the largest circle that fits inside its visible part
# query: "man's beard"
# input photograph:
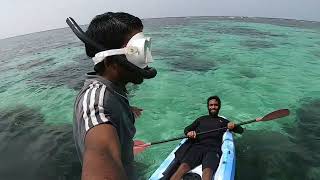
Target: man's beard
(214, 114)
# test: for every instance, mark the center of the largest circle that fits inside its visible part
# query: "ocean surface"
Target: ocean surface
(256, 65)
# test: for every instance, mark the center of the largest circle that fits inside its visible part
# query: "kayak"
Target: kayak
(226, 168)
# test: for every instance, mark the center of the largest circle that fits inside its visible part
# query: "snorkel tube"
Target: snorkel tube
(146, 73)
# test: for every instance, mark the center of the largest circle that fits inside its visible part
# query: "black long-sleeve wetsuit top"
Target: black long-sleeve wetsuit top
(206, 123)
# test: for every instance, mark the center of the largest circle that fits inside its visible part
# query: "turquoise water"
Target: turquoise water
(255, 65)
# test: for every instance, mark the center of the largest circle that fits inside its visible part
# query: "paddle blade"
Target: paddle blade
(275, 115)
(139, 146)
(138, 143)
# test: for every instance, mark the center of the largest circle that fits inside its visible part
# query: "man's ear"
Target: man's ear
(108, 62)
(113, 66)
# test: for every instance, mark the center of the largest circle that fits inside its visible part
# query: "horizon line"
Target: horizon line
(243, 17)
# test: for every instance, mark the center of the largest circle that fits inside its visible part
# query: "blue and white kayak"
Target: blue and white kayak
(227, 165)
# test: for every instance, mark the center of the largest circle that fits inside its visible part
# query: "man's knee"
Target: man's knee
(185, 167)
(207, 173)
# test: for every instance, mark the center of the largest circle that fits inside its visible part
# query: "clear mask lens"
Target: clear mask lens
(147, 51)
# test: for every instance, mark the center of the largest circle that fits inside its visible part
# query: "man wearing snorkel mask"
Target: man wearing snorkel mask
(103, 118)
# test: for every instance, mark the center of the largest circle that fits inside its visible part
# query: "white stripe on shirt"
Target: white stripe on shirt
(84, 106)
(100, 105)
(91, 105)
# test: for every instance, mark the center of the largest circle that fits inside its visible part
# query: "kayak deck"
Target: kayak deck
(226, 168)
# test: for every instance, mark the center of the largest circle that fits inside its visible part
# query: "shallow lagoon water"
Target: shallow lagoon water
(255, 65)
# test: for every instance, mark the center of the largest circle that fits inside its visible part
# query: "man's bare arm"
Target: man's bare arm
(102, 155)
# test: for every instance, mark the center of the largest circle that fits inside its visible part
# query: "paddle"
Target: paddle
(140, 146)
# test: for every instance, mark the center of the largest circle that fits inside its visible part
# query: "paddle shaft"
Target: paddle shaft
(182, 137)
(273, 115)
(201, 133)
(246, 122)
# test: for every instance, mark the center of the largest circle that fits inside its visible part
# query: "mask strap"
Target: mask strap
(103, 54)
(99, 57)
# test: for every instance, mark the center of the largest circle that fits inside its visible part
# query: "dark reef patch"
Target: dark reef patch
(33, 149)
(257, 44)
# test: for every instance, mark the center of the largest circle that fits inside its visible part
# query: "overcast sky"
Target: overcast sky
(19, 17)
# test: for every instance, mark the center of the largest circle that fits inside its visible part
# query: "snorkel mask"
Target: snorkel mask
(137, 51)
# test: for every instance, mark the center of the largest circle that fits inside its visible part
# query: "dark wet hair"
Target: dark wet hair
(111, 30)
(216, 98)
